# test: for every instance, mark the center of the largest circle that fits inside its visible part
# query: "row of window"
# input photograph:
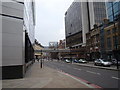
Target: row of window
(113, 31)
(115, 42)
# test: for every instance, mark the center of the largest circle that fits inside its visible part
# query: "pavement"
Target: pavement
(37, 77)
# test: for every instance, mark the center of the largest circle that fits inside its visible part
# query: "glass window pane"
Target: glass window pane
(110, 18)
(110, 11)
(108, 4)
(115, 7)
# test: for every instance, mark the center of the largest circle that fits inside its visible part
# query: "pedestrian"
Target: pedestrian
(37, 58)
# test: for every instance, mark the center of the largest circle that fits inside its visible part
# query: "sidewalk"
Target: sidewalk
(45, 78)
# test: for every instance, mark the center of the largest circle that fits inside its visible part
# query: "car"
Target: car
(114, 61)
(67, 60)
(76, 61)
(82, 61)
(102, 62)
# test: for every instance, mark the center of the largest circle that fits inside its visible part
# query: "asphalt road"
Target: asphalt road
(101, 77)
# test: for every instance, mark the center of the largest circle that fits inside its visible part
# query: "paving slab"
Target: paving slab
(37, 77)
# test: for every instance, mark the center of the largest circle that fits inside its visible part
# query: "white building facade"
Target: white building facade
(18, 23)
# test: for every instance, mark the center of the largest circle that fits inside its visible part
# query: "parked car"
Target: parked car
(102, 62)
(67, 61)
(76, 61)
(114, 61)
(82, 61)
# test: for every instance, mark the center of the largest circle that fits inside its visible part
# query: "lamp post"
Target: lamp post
(41, 63)
(58, 51)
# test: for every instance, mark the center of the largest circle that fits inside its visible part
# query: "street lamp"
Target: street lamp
(41, 63)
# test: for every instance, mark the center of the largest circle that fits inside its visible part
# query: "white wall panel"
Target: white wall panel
(12, 34)
(12, 25)
(12, 8)
(12, 56)
(12, 40)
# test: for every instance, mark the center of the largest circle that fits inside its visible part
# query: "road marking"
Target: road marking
(93, 72)
(115, 78)
(98, 73)
(80, 69)
(77, 69)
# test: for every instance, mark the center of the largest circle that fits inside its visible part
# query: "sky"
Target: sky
(50, 20)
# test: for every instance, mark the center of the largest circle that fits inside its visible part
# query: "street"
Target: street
(101, 77)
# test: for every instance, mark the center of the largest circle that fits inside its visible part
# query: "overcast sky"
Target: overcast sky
(50, 20)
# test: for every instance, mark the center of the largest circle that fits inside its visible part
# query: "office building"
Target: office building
(81, 18)
(97, 13)
(18, 22)
(110, 32)
(76, 24)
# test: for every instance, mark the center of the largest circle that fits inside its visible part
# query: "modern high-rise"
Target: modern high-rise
(113, 10)
(18, 23)
(97, 13)
(80, 18)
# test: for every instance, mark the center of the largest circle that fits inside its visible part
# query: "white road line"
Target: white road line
(115, 78)
(93, 72)
(77, 69)
(98, 73)
(80, 69)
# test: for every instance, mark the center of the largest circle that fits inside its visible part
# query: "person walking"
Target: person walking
(37, 58)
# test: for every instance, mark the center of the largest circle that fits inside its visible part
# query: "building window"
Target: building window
(116, 42)
(110, 11)
(109, 44)
(116, 7)
(109, 4)
(108, 32)
(114, 30)
(110, 18)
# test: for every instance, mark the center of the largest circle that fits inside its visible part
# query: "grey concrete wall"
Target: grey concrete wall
(16, 18)
(0, 35)
(0, 46)
(12, 34)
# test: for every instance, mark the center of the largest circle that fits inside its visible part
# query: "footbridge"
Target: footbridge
(53, 50)
(61, 50)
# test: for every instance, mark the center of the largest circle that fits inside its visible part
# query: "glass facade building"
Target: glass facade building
(81, 18)
(113, 9)
(73, 24)
(97, 12)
